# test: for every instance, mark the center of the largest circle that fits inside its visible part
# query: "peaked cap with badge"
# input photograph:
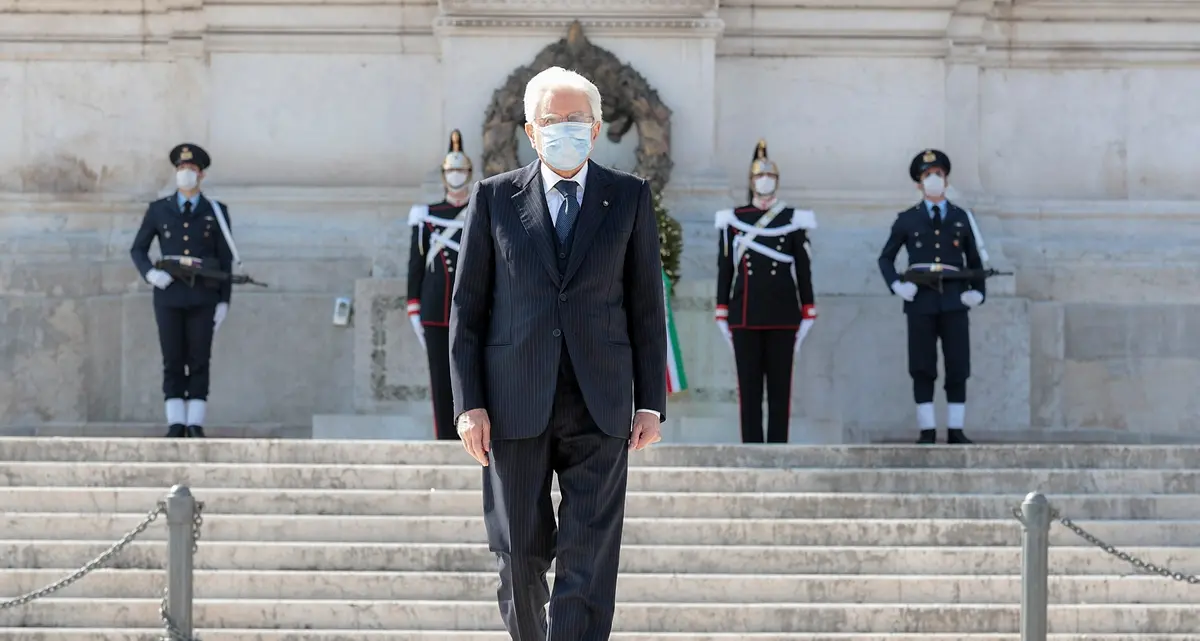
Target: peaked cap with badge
(190, 154)
(927, 160)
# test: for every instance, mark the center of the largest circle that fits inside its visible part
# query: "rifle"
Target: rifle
(187, 269)
(935, 278)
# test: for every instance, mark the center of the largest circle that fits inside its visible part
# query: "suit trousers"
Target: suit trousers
(437, 350)
(592, 469)
(185, 335)
(924, 330)
(764, 354)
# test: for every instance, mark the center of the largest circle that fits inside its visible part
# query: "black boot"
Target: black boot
(927, 437)
(956, 437)
(176, 431)
(195, 431)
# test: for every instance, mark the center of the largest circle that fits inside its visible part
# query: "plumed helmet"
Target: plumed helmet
(456, 160)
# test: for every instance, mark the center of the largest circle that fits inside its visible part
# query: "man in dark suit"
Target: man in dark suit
(938, 236)
(190, 229)
(557, 334)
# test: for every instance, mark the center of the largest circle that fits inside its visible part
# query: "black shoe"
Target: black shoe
(956, 437)
(176, 431)
(195, 431)
(928, 437)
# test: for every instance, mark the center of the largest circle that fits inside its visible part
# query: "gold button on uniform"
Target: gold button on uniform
(185, 237)
(186, 252)
(185, 225)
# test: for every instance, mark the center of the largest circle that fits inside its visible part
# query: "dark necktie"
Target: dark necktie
(935, 211)
(187, 208)
(569, 211)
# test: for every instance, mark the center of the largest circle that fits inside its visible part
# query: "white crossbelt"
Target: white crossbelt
(237, 260)
(438, 238)
(753, 245)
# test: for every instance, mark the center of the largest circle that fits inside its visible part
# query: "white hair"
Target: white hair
(558, 79)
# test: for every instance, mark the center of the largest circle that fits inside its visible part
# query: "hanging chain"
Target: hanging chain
(1144, 566)
(91, 566)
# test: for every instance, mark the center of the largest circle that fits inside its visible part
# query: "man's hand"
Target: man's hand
(723, 327)
(907, 291)
(219, 316)
(971, 298)
(159, 278)
(418, 329)
(646, 431)
(475, 430)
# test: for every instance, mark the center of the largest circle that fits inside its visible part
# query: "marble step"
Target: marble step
(631, 588)
(128, 634)
(656, 479)
(90, 526)
(630, 617)
(699, 559)
(638, 504)
(1175, 457)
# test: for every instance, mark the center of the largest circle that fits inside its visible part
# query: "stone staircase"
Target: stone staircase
(341, 541)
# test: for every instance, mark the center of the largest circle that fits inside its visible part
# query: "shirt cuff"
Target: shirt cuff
(656, 413)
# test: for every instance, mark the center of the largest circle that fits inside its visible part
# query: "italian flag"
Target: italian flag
(676, 378)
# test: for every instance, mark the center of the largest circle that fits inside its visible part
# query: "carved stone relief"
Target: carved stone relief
(628, 100)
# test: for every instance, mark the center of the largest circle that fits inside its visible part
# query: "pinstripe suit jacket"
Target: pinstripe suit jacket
(512, 309)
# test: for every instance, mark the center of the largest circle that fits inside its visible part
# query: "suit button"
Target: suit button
(185, 237)
(186, 252)
(772, 272)
(557, 333)
(937, 259)
(562, 256)
(937, 232)
(562, 297)
(185, 225)
(935, 245)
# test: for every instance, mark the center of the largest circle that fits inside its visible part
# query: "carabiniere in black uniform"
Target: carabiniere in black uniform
(937, 235)
(432, 256)
(187, 228)
(765, 303)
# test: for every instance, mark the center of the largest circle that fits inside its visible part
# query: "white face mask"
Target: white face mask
(186, 179)
(456, 179)
(934, 185)
(566, 145)
(764, 185)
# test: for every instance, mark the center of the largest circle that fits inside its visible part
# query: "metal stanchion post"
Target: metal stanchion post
(181, 541)
(1035, 567)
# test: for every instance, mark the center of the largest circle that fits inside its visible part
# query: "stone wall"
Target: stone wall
(1067, 123)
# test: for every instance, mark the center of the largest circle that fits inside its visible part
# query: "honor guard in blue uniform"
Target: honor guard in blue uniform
(937, 236)
(765, 304)
(432, 257)
(189, 228)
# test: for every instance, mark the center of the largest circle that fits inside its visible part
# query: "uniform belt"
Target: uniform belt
(932, 267)
(187, 258)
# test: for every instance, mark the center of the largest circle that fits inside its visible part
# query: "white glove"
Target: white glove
(971, 298)
(415, 320)
(219, 316)
(723, 325)
(907, 291)
(159, 278)
(805, 326)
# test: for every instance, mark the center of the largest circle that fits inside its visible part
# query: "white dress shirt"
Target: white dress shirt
(554, 201)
